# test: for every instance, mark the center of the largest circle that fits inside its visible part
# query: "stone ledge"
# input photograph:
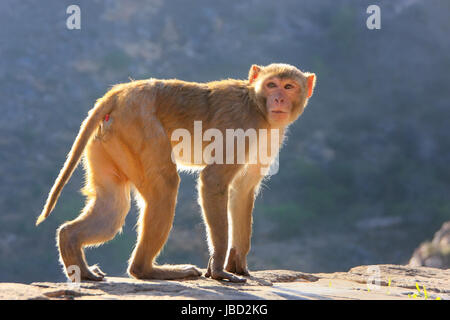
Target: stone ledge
(396, 282)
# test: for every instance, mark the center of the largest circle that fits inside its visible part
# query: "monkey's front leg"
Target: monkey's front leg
(242, 196)
(241, 207)
(213, 186)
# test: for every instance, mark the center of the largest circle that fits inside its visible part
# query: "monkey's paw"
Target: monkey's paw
(94, 274)
(223, 275)
(219, 274)
(165, 272)
(236, 265)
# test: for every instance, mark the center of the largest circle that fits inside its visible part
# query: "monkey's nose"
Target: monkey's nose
(279, 100)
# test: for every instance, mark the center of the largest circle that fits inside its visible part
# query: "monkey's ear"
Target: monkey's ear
(311, 80)
(253, 73)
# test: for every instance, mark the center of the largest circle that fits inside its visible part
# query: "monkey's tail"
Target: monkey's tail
(95, 115)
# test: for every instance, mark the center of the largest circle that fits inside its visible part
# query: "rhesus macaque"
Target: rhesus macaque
(127, 143)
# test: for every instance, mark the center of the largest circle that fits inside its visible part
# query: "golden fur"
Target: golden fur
(126, 143)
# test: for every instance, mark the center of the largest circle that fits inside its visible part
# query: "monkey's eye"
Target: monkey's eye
(271, 85)
(288, 86)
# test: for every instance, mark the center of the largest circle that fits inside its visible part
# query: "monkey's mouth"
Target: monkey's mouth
(278, 111)
(279, 115)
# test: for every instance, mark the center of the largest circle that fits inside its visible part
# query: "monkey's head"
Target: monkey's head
(281, 91)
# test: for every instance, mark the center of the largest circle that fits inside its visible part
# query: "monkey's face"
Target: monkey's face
(281, 94)
(281, 91)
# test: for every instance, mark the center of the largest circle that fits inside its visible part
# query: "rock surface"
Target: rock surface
(435, 253)
(395, 282)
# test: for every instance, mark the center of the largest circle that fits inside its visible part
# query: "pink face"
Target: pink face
(280, 95)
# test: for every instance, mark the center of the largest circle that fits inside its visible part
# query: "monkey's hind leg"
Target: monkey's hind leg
(102, 217)
(159, 193)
